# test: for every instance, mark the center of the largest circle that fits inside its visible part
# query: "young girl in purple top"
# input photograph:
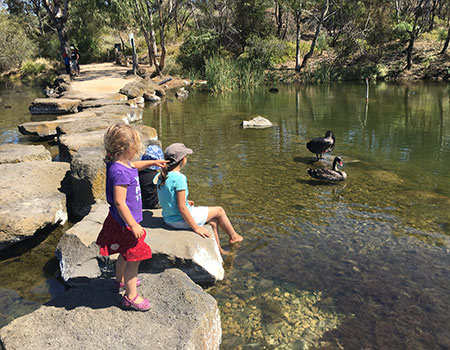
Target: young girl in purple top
(121, 232)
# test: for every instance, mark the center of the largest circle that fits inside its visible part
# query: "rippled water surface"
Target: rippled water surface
(357, 265)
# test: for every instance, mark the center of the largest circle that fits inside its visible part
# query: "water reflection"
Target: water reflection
(376, 248)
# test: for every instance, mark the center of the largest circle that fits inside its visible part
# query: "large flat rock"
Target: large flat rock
(131, 113)
(80, 126)
(69, 145)
(88, 120)
(17, 153)
(87, 96)
(109, 102)
(182, 316)
(198, 257)
(30, 199)
(44, 129)
(54, 106)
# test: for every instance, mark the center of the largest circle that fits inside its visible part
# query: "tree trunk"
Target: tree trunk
(312, 47)
(297, 41)
(409, 50)
(162, 38)
(278, 18)
(447, 41)
(316, 35)
(58, 13)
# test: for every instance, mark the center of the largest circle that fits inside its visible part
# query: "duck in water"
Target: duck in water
(325, 174)
(321, 145)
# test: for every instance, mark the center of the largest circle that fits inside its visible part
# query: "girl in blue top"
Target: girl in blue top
(177, 210)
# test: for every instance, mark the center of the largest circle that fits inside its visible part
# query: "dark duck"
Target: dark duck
(325, 174)
(321, 145)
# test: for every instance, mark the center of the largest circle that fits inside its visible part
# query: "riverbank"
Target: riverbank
(428, 64)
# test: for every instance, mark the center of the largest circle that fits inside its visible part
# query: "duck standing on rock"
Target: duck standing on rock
(321, 145)
(325, 174)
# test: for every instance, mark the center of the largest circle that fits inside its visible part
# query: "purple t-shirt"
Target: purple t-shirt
(118, 174)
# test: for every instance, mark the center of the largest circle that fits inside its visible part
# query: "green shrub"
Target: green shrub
(401, 30)
(268, 51)
(32, 68)
(171, 66)
(15, 46)
(196, 49)
(322, 43)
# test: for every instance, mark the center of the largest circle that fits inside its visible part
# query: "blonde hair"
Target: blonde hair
(119, 138)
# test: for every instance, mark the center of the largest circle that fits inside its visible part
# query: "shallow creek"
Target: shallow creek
(357, 265)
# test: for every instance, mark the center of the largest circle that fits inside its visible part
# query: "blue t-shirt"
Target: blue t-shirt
(175, 182)
(118, 174)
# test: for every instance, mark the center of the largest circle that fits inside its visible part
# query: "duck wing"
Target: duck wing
(326, 174)
(320, 145)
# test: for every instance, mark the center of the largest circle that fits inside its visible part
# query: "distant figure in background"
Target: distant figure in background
(66, 62)
(146, 176)
(74, 57)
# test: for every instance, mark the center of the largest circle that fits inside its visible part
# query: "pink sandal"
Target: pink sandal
(120, 285)
(130, 304)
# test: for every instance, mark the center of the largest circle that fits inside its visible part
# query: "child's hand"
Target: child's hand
(161, 163)
(137, 231)
(202, 231)
(190, 202)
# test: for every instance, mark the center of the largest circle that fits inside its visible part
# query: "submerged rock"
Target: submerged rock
(182, 316)
(257, 122)
(13, 306)
(29, 201)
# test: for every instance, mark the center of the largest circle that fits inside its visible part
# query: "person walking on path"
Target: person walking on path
(121, 232)
(177, 210)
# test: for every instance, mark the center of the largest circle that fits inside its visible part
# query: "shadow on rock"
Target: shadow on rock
(97, 294)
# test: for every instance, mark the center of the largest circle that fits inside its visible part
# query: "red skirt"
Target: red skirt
(114, 238)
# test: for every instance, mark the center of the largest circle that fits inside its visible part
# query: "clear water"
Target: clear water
(375, 248)
(357, 265)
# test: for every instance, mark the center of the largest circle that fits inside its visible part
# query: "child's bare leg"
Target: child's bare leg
(130, 277)
(222, 218)
(121, 264)
(214, 227)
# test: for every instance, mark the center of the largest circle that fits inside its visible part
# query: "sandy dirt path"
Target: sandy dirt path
(101, 78)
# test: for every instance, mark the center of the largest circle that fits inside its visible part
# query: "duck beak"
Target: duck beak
(340, 163)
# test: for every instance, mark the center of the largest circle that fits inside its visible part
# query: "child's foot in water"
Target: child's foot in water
(224, 252)
(236, 238)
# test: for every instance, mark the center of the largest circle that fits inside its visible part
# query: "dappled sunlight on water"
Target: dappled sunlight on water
(362, 264)
(375, 248)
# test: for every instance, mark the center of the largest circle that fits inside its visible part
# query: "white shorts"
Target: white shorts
(199, 214)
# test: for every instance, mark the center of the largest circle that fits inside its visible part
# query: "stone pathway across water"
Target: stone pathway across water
(82, 110)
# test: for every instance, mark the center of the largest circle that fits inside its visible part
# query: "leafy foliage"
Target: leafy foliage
(268, 51)
(15, 46)
(196, 49)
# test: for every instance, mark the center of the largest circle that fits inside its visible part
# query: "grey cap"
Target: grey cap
(176, 152)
